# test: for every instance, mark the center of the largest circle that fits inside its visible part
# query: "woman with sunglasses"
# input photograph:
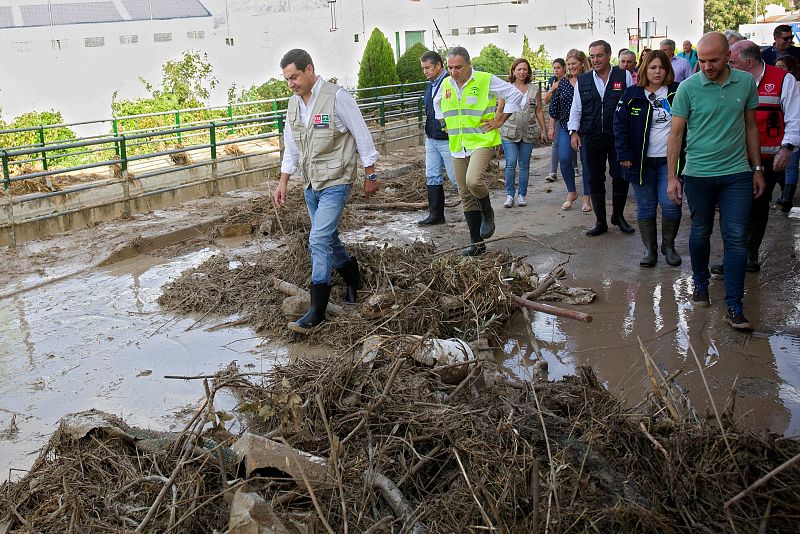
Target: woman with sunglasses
(641, 128)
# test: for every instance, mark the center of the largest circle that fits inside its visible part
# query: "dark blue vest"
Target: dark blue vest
(433, 128)
(597, 116)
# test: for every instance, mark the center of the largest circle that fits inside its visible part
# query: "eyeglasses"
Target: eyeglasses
(656, 103)
(786, 37)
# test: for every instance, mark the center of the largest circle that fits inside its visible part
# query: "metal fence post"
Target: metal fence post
(44, 150)
(178, 123)
(275, 111)
(230, 118)
(115, 129)
(383, 138)
(123, 153)
(212, 136)
(421, 119)
(383, 113)
(6, 173)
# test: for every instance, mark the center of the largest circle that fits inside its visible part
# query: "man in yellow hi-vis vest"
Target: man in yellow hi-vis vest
(467, 103)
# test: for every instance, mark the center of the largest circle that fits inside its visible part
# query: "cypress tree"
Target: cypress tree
(377, 66)
(408, 68)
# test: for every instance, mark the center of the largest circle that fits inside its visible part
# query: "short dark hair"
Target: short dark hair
(299, 57)
(780, 28)
(459, 51)
(431, 57)
(604, 44)
(560, 61)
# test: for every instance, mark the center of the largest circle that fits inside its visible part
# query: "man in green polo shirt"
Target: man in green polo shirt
(717, 109)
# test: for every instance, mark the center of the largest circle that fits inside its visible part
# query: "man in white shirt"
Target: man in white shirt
(467, 103)
(324, 133)
(591, 120)
(681, 66)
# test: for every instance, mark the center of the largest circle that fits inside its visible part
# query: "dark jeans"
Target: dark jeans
(759, 213)
(733, 193)
(599, 150)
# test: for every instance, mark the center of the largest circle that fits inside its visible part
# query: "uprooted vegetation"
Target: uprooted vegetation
(387, 444)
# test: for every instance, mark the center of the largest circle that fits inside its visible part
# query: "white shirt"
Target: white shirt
(790, 103)
(681, 67)
(574, 122)
(347, 118)
(659, 124)
(515, 100)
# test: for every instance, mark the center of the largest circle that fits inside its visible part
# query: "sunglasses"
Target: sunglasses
(656, 103)
(786, 37)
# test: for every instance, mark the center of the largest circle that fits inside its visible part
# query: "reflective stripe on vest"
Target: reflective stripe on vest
(463, 117)
(769, 114)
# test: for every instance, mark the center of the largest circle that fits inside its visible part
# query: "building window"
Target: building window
(483, 29)
(356, 38)
(414, 37)
(454, 32)
(58, 44)
(579, 26)
(162, 37)
(21, 46)
(229, 41)
(546, 28)
(196, 35)
(128, 39)
(94, 42)
(512, 28)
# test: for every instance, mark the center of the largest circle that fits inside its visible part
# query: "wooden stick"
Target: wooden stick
(552, 310)
(310, 491)
(492, 240)
(375, 405)
(763, 480)
(654, 441)
(334, 457)
(397, 501)
(545, 284)
(469, 485)
(297, 291)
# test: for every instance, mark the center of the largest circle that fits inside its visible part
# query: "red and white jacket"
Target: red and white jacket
(769, 114)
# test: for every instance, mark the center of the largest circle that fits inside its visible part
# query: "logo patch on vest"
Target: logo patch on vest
(769, 87)
(617, 86)
(448, 93)
(322, 121)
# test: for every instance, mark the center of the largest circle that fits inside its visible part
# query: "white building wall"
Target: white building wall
(79, 81)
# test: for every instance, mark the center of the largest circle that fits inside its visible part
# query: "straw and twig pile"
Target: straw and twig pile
(411, 290)
(407, 452)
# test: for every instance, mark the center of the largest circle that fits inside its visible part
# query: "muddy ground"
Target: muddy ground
(80, 327)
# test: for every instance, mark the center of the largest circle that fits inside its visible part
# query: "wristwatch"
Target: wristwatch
(788, 146)
(757, 168)
(573, 132)
(372, 177)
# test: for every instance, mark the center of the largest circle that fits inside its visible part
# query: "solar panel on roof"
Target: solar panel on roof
(6, 17)
(164, 9)
(75, 13)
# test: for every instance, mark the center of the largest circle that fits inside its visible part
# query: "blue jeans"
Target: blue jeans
(791, 170)
(518, 153)
(554, 155)
(327, 251)
(437, 153)
(652, 192)
(566, 157)
(733, 193)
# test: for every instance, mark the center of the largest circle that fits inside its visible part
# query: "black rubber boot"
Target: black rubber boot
(320, 295)
(669, 229)
(755, 235)
(487, 217)
(473, 219)
(352, 279)
(618, 213)
(599, 205)
(647, 230)
(787, 201)
(435, 206)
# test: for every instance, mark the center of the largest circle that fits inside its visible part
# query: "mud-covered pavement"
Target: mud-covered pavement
(74, 336)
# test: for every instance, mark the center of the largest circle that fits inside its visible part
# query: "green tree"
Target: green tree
(31, 137)
(721, 15)
(377, 66)
(539, 60)
(408, 67)
(189, 79)
(493, 59)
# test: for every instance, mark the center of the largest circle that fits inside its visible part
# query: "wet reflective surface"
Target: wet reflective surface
(101, 341)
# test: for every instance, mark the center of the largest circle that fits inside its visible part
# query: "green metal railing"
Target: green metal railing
(125, 147)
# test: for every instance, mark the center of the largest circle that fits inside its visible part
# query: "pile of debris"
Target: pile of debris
(409, 289)
(414, 434)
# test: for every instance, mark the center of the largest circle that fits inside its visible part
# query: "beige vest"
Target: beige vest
(521, 125)
(327, 156)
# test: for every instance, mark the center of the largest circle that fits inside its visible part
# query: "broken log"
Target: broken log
(296, 291)
(552, 310)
